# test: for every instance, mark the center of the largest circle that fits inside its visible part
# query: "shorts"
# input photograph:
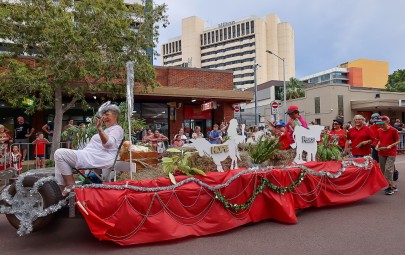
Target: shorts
(40, 156)
(24, 143)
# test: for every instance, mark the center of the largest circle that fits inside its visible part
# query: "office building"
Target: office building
(236, 46)
(358, 73)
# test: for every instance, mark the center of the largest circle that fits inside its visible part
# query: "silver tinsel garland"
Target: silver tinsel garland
(367, 165)
(27, 212)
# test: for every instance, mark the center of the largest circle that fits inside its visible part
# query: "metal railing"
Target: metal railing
(31, 159)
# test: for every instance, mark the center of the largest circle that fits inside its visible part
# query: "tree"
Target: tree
(295, 89)
(396, 81)
(73, 48)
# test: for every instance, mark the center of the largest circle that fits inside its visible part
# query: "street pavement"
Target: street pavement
(370, 226)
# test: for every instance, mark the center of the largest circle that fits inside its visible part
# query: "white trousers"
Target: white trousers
(65, 160)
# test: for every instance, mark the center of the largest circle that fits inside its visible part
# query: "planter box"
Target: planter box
(149, 158)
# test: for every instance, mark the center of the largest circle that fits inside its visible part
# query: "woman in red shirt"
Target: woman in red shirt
(338, 135)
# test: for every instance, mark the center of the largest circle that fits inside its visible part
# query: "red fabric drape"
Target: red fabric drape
(130, 217)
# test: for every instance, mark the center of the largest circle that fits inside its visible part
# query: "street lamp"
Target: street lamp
(255, 82)
(284, 87)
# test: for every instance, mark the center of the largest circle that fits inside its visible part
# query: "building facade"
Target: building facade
(237, 46)
(357, 73)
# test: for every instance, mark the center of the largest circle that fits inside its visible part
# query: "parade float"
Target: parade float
(202, 189)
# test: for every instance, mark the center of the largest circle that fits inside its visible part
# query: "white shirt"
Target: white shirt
(99, 155)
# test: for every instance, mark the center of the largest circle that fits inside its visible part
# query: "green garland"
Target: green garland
(264, 183)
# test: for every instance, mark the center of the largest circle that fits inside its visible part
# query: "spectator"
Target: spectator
(156, 141)
(223, 128)
(177, 142)
(22, 134)
(145, 138)
(360, 136)
(39, 150)
(183, 137)
(388, 139)
(397, 124)
(215, 135)
(48, 129)
(72, 136)
(15, 158)
(5, 139)
(197, 133)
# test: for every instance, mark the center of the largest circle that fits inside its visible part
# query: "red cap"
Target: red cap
(292, 108)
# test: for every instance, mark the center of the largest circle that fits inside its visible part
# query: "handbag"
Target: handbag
(395, 176)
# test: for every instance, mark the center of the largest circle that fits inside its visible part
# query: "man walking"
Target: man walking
(361, 137)
(388, 139)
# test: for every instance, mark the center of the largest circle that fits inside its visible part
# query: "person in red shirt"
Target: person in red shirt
(338, 134)
(374, 127)
(282, 134)
(361, 137)
(39, 150)
(388, 139)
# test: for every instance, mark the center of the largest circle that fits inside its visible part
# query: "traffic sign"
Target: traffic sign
(236, 108)
(274, 105)
(274, 111)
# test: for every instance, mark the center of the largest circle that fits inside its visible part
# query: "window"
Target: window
(229, 33)
(177, 46)
(233, 32)
(220, 35)
(216, 35)
(252, 26)
(209, 38)
(243, 28)
(247, 27)
(238, 30)
(318, 121)
(201, 39)
(317, 105)
(164, 50)
(205, 39)
(225, 34)
(212, 36)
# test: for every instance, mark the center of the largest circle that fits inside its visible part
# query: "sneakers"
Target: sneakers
(394, 188)
(389, 191)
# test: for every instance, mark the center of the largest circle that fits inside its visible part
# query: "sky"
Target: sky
(327, 32)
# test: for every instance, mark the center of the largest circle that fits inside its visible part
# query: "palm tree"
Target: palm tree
(295, 89)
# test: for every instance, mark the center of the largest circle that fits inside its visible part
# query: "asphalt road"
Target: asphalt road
(375, 225)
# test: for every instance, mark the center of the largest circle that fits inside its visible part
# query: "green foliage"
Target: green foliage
(263, 149)
(74, 47)
(328, 149)
(396, 81)
(180, 161)
(295, 89)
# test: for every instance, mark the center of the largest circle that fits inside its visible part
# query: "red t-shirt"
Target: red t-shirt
(360, 135)
(388, 137)
(284, 141)
(340, 137)
(374, 128)
(39, 147)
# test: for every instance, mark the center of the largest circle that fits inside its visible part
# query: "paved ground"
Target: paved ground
(371, 226)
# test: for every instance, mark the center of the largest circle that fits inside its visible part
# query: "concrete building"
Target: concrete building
(358, 73)
(324, 103)
(236, 46)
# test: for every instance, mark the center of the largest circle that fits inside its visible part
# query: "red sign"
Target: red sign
(209, 106)
(236, 108)
(274, 105)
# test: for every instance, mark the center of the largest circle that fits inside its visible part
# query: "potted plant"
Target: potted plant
(328, 149)
(263, 150)
(179, 163)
